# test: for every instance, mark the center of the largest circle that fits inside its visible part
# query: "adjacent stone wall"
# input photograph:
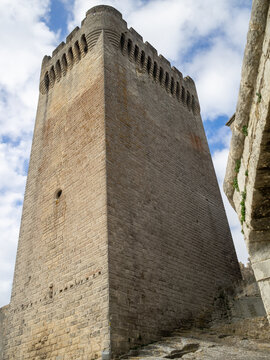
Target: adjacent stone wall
(247, 180)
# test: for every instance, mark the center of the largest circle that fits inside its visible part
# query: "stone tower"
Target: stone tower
(123, 231)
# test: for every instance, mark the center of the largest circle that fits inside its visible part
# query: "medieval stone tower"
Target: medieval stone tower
(123, 231)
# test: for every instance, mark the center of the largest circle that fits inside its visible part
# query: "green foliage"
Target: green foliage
(235, 184)
(246, 173)
(259, 97)
(245, 130)
(237, 166)
(243, 206)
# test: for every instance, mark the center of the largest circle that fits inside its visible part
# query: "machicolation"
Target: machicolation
(144, 55)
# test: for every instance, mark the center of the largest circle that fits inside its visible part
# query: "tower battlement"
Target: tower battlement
(145, 57)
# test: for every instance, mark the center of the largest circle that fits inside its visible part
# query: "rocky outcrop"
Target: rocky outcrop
(213, 343)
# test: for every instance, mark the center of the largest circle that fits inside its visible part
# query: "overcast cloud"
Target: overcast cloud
(203, 38)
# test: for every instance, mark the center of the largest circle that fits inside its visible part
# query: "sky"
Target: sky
(204, 39)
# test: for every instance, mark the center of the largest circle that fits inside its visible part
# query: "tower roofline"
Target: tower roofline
(104, 9)
(82, 40)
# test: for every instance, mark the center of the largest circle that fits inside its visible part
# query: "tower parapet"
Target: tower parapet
(129, 42)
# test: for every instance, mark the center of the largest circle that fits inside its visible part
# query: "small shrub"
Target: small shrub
(243, 206)
(235, 184)
(237, 166)
(245, 130)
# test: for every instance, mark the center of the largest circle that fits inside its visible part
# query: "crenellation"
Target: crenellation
(135, 34)
(163, 61)
(58, 48)
(62, 61)
(72, 34)
(131, 43)
(151, 48)
(161, 70)
(178, 73)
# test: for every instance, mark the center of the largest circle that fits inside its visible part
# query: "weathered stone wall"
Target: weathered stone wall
(59, 304)
(170, 246)
(247, 181)
(3, 326)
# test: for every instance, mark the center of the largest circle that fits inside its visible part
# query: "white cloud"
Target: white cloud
(217, 75)
(24, 40)
(219, 136)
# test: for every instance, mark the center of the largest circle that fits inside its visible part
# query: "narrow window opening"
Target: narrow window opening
(177, 90)
(160, 75)
(77, 50)
(183, 94)
(122, 42)
(136, 53)
(64, 63)
(172, 86)
(166, 80)
(70, 56)
(149, 64)
(52, 75)
(47, 81)
(188, 99)
(142, 59)
(84, 44)
(58, 69)
(58, 194)
(155, 70)
(193, 104)
(129, 46)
